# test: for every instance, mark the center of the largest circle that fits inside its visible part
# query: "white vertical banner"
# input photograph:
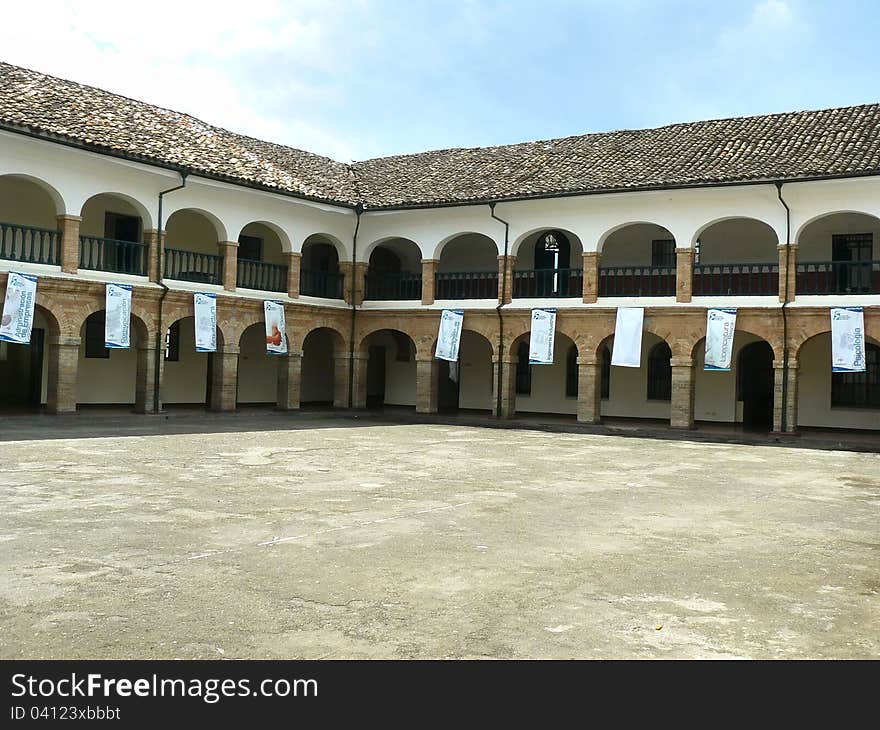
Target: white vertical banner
(205, 310)
(847, 340)
(117, 319)
(720, 328)
(276, 330)
(449, 336)
(542, 337)
(18, 308)
(627, 350)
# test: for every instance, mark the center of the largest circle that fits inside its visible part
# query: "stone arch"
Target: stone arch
(727, 218)
(134, 204)
(699, 344)
(283, 237)
(603, 239)
(796, 237)
(342, 250)
(56, 199)
(363, 343)
(528, 238)
(441, 245)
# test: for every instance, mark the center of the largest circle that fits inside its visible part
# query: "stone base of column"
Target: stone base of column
(589, 391)
(427, 385)
(289, 381)
(340, 381)
(145, 381)
(62, 374)
(681, 414)
(224, 380)
(507, 407)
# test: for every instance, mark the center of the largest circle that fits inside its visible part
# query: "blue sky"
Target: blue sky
(354, 79)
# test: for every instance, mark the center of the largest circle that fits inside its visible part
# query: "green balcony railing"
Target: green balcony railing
(29, 244)
(108, 254)
(261, 275)
(205, 268)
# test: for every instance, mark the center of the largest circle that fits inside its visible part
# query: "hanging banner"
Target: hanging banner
(720, 327)
(205, 310)
(847, 340)
(542, 337)
(117, 319)
(18, 308)
(449, 336)
(276, 340)
(627, 350)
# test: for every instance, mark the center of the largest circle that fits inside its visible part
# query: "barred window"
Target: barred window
(858, 390)
(523, 370)
(660, 372)
(663, 252)
(571, 373)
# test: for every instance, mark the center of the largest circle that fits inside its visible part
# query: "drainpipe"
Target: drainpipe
(503, 289)
(160, 338)
(783, 424)
(358, 211)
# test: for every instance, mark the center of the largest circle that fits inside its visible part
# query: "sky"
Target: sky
(354, 79)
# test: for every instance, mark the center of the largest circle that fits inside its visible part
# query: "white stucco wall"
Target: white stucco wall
(101, 381)
(185, 381)
(257, 371)
(475, 372)
(715, 391)
(628, 388)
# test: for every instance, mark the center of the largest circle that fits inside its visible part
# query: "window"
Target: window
(855, 249)
(250, 248)
(523, 370)
(172, 343)
(606, 373)
(858, 390)
(663, 252)
(571, 373)
(95, 337)
(122, 227)
(660, 372)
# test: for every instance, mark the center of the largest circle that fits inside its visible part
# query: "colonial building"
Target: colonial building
(778, 216)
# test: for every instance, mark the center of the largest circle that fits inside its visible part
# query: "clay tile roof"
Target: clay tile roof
(809, 144)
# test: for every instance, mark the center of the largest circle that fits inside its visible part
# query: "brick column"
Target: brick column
(682, 405)
(229, 249)
(289, 380)
(506, 296)
(508, 387)
(62, 372)
(589, 390)
(154, 244)
(294, 266)
(358, 270)
(427, 385)
(145, 379)
(591, 276)
(340, 381)
(429, 268)
(684, 274)
(791, 408)
(787, 271)
(360, 381)
(69, 254)
(224, 378)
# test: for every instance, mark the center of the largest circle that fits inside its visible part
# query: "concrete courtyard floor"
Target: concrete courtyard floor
(334, 539)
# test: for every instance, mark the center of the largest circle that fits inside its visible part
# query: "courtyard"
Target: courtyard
(321, 537)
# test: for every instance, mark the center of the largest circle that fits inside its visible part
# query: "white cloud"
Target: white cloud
(773, 25)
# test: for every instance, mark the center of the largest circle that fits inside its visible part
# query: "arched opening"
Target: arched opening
(321, 381)
(394, 271)
(605, 385)
(192, 248)
(24, 368)
(549, 263)
(109, 375)
(391, 369)
(111, 236)
(629, 388)
(188, 377)
(839, 254)
(319, 273)
(261, 264)
(467, 384)
(754, 385)
(736, 256)
(546, 388)
(468, 268)
(837, 400)
(638, 260)
(257, 369)
(28, 222)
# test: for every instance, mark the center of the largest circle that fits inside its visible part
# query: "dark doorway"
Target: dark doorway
(122, 227)
(21, 373)
(376, 377)
(755, 385)
(448, 386)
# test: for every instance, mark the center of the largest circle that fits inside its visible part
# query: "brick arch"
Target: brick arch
(363, 350)
(340, 342)
(44, 305)
(774, 342)
(593, 346)
(179, 313)
(872, 335)
(513, 340)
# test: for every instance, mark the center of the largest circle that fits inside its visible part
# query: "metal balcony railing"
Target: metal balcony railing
(401, 286)
(466, 285)
(636, 281)
(327, 284)
(108, 254)
(838, 277)
(30, 244)
(548, 283)
(205, 268)
(261, 275)
(729, 279)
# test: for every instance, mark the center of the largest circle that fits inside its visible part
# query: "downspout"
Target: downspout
(502, 291)
(783, 419)
(359, 209)
(160, 335)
